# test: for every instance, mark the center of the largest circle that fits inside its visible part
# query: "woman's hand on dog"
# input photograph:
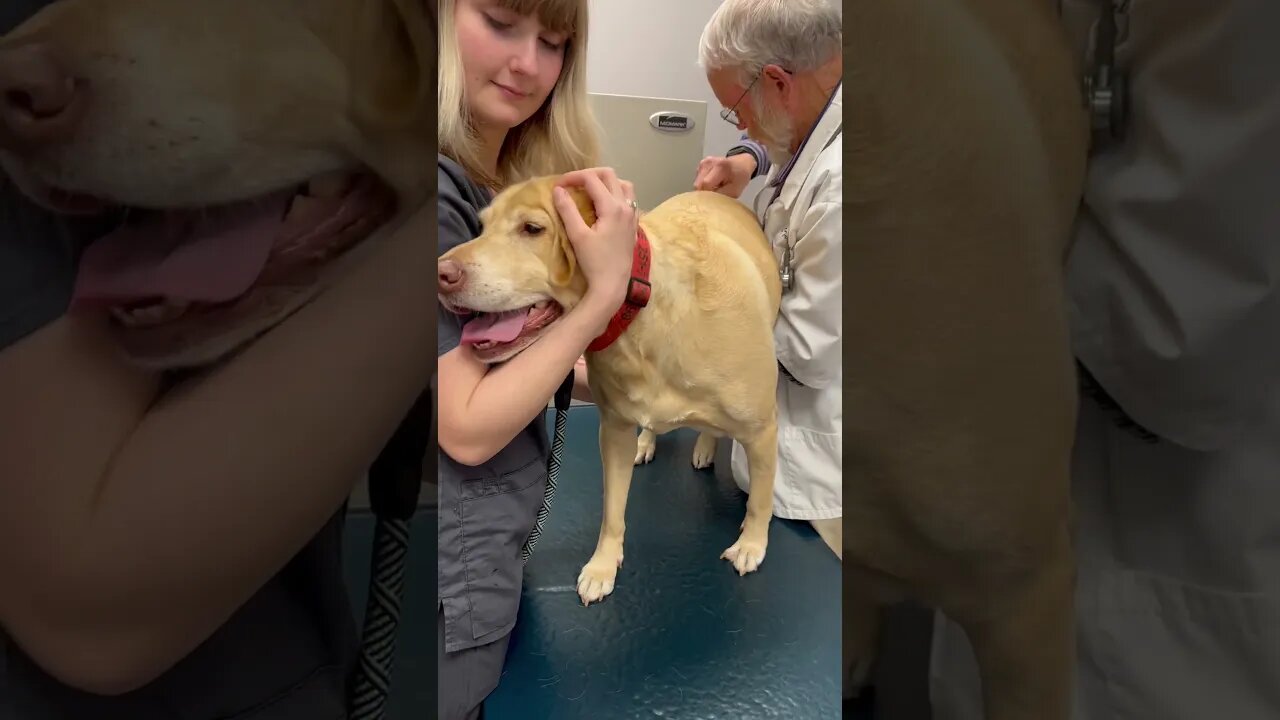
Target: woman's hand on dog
(603, 250)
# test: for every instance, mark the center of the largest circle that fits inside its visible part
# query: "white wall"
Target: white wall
(649, 48)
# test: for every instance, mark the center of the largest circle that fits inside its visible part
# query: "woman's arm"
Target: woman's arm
(481, 408)
(132, 525)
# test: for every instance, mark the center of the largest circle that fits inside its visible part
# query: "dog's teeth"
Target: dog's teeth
(540, 304)
(123, 316)
(328, 185)
(151, 314)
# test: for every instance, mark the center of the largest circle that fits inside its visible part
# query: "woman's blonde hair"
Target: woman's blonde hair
(560, 137)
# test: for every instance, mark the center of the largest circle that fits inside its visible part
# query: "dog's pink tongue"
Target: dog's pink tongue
(191, 256)
(496, 327)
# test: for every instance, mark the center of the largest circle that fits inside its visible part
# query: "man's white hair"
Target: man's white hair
(799, 35)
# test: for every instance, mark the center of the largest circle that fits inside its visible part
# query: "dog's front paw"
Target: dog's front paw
(595, 581)
(646, 444)
(704, 451)
(746, 555)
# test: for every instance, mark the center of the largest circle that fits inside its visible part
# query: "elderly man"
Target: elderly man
(776, 67)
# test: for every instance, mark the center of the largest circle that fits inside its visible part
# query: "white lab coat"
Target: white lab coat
(1175, 311)
(807, 333)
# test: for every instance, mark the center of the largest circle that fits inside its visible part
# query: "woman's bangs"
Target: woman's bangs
(558, 16)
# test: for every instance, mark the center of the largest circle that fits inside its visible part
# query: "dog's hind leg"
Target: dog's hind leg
(1024, 642)
(704, 450)
(762, 462)
(646, 445)
(617, 453)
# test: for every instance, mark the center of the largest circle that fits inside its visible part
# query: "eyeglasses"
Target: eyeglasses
(730, 115)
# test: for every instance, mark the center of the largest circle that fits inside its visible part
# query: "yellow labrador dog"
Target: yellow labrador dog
(712, 284)
(966, 159)
(257, 146)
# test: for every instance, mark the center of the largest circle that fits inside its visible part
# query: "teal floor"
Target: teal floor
(682, 636)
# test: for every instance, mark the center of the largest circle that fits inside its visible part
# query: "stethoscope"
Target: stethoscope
(786, 264)
(1106, 87)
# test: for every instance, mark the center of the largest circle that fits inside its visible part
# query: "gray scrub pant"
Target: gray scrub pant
(467, 676)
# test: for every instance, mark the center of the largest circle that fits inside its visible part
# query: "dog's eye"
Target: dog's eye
(532, 229)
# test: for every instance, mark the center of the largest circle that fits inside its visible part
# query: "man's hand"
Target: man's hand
(725, 175)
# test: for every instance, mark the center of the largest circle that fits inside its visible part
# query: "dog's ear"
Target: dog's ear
(564, 262)
(393, 60)
(582, 200)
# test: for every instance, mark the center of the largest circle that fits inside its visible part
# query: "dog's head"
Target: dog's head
(251, 145)
(520, 276)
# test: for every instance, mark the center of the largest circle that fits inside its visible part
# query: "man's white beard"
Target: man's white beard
(777, 134)
(778, 156)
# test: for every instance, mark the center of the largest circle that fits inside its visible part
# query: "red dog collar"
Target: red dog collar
(638, 291)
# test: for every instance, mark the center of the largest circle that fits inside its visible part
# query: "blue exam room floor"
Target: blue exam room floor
(682, 636)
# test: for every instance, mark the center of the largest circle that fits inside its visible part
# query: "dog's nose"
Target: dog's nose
(450, 276)
(40, 102)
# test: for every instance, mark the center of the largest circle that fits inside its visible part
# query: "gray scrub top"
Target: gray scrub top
(486, 512)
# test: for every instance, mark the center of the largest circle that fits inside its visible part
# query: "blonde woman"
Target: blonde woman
(512, 105)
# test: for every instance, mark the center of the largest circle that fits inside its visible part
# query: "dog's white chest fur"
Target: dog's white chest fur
(651, 401)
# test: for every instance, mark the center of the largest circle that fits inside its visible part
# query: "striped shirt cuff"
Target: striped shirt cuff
(747, 145)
